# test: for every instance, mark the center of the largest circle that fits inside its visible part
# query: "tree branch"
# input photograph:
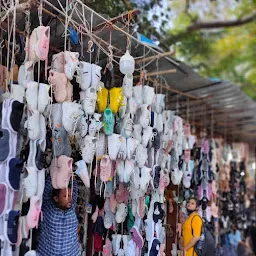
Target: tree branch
(222, 24)
(187, 6)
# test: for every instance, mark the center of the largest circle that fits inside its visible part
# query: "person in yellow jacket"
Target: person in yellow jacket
(192, 227)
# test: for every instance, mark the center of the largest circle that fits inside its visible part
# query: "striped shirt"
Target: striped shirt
(58, 235)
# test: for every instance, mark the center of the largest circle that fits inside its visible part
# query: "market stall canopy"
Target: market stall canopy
(220, 107)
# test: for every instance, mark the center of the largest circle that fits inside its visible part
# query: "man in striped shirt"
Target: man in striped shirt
(58, 234)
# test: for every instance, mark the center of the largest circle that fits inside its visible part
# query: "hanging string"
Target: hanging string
(187, 114)
(167, 93)
(90, 43)
(109, 24)
(166, 97)
(80, 30)
(84, 27)
(157, 67)
(177, 104)
(128, 28)
(144, 66)
(82, 44)
(212, 124)
(161, 85)
(40, 12)
(155, 85)
(66, 26)
(8, 50)
(69, 44)
(75, 24)
(144, 57)
(110, 48)
(201, 115)
(193, 119)
(14, 39)
(27, 29)
(97, 61)
(225, 131)
(40, 18)
(205, 122)
(177, 216)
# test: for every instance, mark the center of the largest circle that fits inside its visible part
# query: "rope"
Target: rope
(143, 63)
(97, 61)
(167, 93)
(90, 43)
(161, 85)
(193, 118)
(157, 69)
(225, 131)
(76, 24)
(204, 117)
(212, 125)
(143, 67)
(110, 48)
(27, 29)
(177, 216)
(14, 39)
(8, 50)
(128, 36)
(85, 27)
(82, 35)
(177, 105)
(201, 117)
(40, 11)
(66, 26)
(187, 114)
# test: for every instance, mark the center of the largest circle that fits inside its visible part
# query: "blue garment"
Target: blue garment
(235, 238)
(232, 250)
(58, 236)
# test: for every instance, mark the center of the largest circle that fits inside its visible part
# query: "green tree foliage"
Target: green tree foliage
(226, 52)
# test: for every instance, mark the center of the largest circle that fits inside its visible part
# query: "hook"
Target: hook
(90, 48)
